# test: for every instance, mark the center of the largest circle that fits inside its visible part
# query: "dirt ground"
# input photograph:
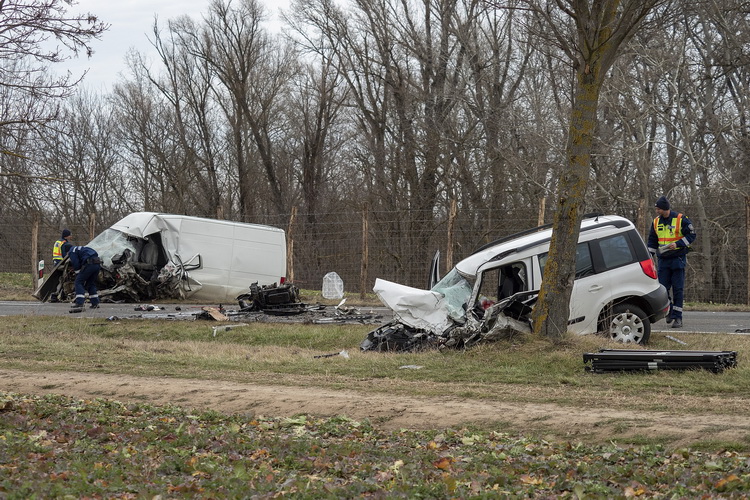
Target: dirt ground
(389, 412)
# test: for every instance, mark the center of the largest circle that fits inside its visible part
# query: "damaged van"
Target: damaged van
(616, 290)
(147, 256)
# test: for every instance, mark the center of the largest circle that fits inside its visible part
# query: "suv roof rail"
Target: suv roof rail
(504, 239)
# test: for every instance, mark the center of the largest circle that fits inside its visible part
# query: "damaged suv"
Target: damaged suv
(616, 290)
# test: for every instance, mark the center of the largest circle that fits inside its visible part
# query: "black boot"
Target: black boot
(677, 323)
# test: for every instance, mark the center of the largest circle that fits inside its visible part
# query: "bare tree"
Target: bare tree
(83, 153)
(599, 29)
(252, 74)
(318, 101)
(27, 51)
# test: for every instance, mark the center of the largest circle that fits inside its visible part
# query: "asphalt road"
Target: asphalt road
(132, 311)
(693, 321)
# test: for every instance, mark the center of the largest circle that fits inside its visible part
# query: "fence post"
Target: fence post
(290, 245)
(451, 235)
(92, 225)
(35, 248)
(540, 215)
(365, 253)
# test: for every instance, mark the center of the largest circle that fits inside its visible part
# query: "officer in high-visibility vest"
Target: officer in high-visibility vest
(669, 240)
(59, 250)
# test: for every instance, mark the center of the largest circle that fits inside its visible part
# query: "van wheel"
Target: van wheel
(629, 324)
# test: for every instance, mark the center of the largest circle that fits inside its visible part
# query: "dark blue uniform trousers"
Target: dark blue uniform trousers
(672, 276)
(86, 282)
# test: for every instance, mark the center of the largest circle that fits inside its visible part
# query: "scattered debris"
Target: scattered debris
(213, 313)
(398, 337)
(615, 360)
(149, 307)
(226, 328)
(411, 367)
(676, 340)
(345, 314)
(344, 354)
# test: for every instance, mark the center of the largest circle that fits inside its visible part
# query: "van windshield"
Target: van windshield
(112, 243)
(457, 291)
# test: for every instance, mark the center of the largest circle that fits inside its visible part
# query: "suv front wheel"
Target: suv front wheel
(628, 324)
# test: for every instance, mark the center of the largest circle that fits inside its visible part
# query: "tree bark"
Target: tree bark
(550, 317)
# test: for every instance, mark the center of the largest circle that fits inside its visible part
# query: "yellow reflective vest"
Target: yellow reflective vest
(57, 251)
(668, 233)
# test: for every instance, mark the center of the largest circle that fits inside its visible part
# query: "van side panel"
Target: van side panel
(213, 241)
(234, 255)
(258, 254)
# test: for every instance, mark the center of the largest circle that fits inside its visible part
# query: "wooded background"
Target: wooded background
(421, 122)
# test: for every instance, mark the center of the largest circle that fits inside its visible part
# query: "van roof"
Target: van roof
(518, 242)
(141, 224)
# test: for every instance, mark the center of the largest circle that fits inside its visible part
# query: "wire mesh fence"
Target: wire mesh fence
(396, 246)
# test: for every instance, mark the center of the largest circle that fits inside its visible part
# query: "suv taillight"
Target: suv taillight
(648, 268)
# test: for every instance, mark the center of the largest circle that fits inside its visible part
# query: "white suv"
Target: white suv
(616, 290)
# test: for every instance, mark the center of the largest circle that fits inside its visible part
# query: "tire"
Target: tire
(628, 324)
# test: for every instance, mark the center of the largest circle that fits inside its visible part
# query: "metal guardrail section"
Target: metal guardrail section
(614, 360)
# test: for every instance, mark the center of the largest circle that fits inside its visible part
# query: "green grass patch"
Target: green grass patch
(260, 351)
(16, 286)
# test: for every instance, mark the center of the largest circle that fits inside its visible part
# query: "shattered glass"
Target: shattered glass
(456, 291)
(112, 243)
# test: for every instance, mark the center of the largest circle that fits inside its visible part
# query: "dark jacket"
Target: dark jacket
(80, 256)
(687, 237)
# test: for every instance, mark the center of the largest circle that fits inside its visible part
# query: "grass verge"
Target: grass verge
(57, 447)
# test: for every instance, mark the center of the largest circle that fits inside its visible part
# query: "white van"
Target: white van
(616, 289)
(149, 255)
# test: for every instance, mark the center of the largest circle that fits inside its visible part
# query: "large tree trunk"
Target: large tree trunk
(550, 316)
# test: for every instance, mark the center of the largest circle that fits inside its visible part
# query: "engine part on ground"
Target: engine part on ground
(272, 299)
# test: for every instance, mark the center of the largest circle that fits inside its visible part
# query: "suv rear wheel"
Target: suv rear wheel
(628, 324)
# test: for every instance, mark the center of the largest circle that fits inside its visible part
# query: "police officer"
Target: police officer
(86, 264)
(59, 250)
(670, 238)
(60, 247)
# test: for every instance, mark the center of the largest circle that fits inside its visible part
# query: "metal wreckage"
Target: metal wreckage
(150, 256)
(499, 321)
(440, 318)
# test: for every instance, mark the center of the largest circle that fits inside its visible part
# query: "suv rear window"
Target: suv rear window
(616, 251)
(611, 252)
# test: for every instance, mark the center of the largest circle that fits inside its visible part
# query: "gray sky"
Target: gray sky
(131, 22)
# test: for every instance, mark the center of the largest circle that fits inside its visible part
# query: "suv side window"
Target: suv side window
(584, 263)
(502, 282)
(616, 251)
